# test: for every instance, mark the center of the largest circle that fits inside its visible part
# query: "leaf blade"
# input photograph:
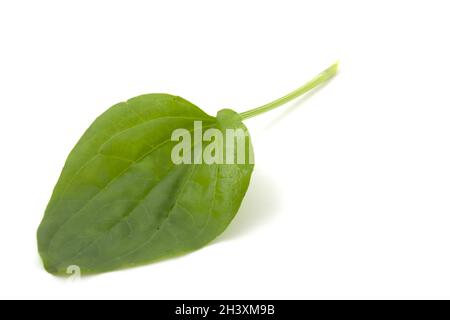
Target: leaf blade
(139, 217)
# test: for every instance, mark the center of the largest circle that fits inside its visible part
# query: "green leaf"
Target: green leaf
(121, 201)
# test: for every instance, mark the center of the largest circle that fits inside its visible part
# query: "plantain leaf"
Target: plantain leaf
(124, 198)
(121, 201)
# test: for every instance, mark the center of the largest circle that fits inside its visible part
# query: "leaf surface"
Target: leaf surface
(120, 200)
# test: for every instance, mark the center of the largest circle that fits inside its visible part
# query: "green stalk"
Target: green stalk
(324, 76)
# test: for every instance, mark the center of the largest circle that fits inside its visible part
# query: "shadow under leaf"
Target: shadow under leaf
(258, 207)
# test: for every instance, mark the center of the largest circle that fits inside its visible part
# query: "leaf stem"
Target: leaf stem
(316, 81)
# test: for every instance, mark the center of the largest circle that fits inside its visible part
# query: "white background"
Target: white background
(350, 194)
